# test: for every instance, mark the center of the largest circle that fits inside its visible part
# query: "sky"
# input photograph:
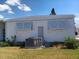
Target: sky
(22, 8)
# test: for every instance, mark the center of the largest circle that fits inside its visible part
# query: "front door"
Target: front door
(41, 32)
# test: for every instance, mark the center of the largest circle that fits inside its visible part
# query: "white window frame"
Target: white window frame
(23, 24)
(18, 27)
(29, 24)
(60, 24)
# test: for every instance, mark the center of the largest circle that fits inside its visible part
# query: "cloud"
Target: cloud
(5, 7)
(8, 3)
(77, 16)
(18, 3)
(11, 12)
(13, 2)
(24, 7)
(1, 17)
(77, 19)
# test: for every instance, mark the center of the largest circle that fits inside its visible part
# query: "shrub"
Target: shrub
(48, 44)
(20, 44)
(57, 43)
(54, 44)
(7, 40)
(71, 43)
(13, 40)
(4, 44)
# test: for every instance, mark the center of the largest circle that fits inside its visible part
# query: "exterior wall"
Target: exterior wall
(61, 34)
(23, 34)
(10, 29)
(49, 35)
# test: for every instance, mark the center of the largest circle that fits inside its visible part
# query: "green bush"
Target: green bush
(71, 43)
(4, 44)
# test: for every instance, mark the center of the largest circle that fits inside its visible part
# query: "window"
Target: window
(57, 24)
(24, 26)
(27, 26)
(19, 25)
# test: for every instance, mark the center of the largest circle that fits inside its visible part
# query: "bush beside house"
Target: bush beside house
(71, 43)
(4, 44)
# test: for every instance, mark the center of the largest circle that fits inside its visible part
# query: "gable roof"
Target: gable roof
(35, 18)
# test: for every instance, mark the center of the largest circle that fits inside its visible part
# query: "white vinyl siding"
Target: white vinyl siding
(24, 26)
(58, 24)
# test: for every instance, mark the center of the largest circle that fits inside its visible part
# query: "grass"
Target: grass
(47, 53)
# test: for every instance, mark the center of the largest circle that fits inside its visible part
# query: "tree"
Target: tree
(53, 12)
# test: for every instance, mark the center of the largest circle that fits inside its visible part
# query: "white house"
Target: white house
(51, 28)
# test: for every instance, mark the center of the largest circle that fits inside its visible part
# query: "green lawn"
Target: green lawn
(47, 53)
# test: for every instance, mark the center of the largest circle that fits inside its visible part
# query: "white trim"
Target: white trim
(40, 18)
